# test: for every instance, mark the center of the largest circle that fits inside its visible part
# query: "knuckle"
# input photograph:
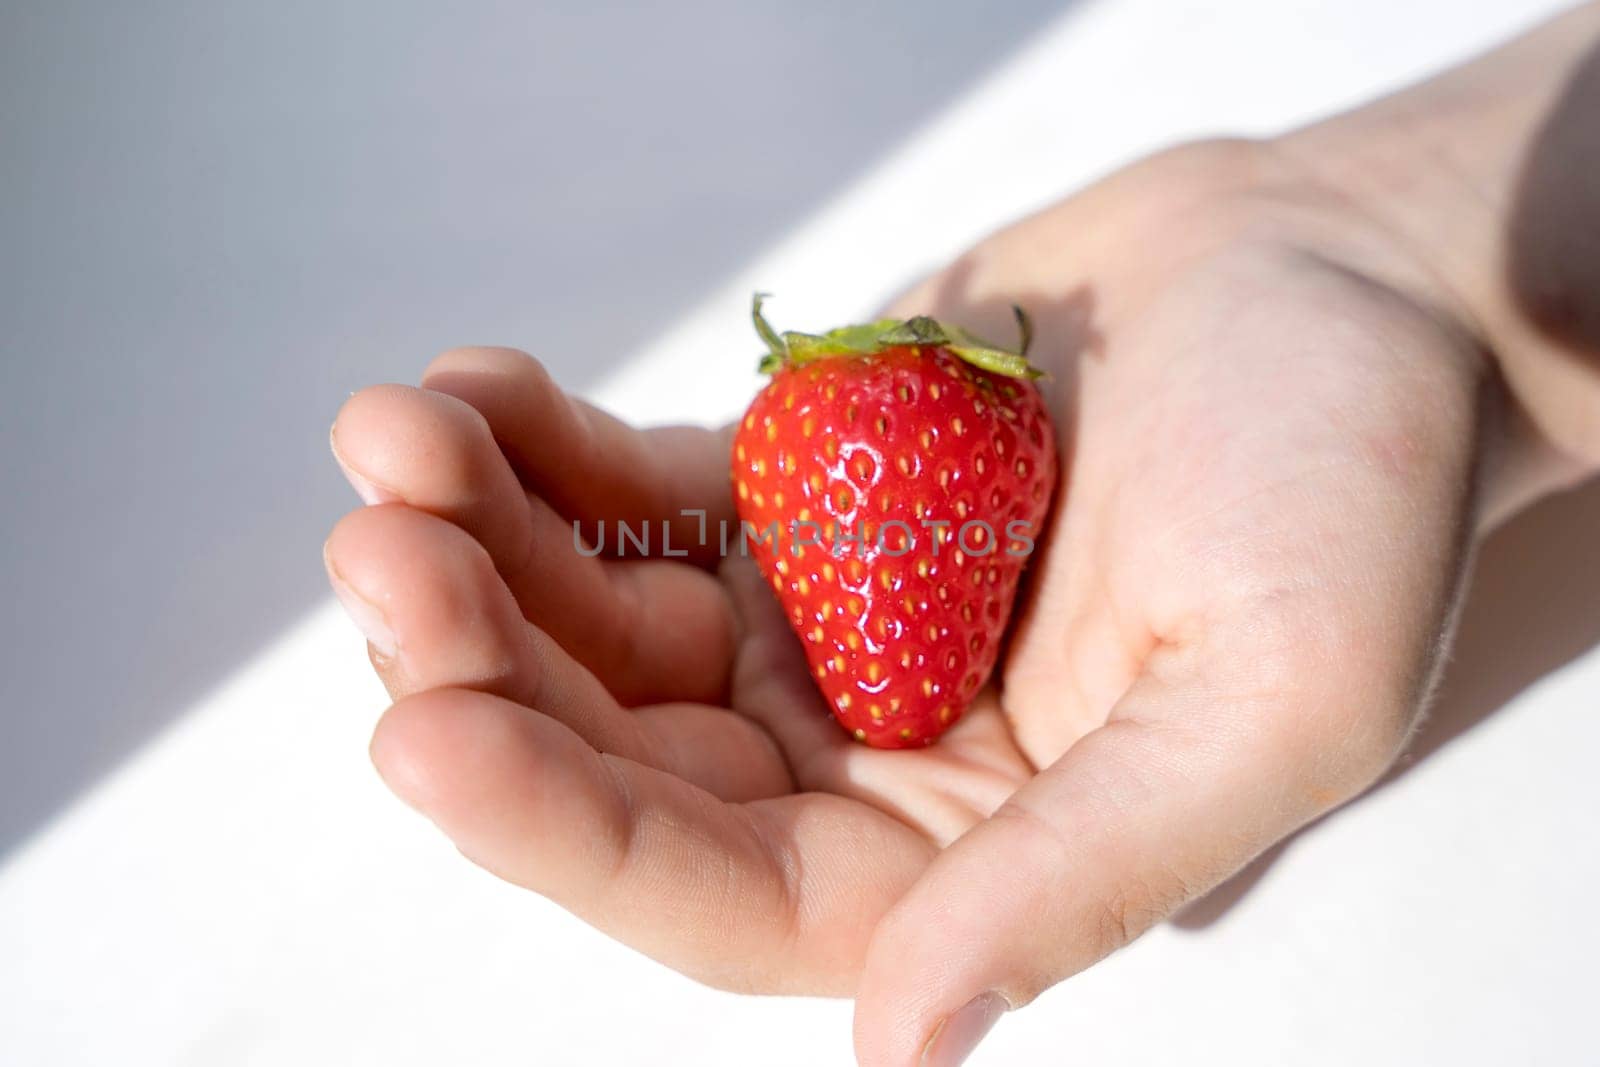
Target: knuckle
(1119, 917)
(1111, 918)
(1135, 904)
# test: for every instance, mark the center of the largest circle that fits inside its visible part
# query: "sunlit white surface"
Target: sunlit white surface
(244, 891)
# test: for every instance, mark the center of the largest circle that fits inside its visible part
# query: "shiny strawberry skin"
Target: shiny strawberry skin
(900, 631)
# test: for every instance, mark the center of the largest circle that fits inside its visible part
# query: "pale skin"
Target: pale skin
(1295, 382)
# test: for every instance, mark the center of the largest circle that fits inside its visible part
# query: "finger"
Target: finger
(775, 896)
(1190, 779)
(653, 632)
(446, 619)
(589, 465)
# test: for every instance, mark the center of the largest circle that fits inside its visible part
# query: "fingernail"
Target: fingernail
(364, 613)
(365, 488)
(962, 1029)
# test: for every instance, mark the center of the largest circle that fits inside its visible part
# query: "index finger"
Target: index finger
(590, 466)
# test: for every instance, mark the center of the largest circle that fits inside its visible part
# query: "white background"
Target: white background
(241, 890)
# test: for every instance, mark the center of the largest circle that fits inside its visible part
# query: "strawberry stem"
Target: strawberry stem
(791, 348)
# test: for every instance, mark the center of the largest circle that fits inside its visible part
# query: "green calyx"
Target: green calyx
(790, 348)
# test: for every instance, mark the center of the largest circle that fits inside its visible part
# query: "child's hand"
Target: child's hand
(1234, 616)
(1279, 441)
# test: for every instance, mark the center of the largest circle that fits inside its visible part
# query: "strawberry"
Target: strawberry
(891, 480)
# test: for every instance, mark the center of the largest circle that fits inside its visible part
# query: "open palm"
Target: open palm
(670, 696)
(1269, 445)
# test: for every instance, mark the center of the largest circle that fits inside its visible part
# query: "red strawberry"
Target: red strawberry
(936, 450)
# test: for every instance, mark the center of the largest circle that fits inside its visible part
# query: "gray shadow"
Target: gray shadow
(218, 219)
(1553, 265)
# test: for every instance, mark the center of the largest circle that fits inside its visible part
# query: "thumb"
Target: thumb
(1188, 781)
